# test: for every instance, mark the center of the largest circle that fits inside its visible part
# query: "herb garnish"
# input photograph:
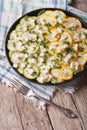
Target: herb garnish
(48, 24)
(41, 12)
(26, 17)
(24, 52)
(59, 56)
(85, 34)
(66, 41)
(57, 16)
(34, 74)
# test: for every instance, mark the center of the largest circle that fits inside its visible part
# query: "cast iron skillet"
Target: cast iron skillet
(35, 13)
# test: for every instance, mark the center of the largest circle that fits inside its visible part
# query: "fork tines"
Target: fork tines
(19, 86)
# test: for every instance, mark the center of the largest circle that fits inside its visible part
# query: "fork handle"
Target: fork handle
(67, 112)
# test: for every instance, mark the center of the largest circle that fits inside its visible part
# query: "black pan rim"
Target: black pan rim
(30, 14)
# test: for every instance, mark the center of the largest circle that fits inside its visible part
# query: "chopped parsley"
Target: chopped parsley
(49, 31)
(85, 34)
(41, 12)
(34, 73)
(59, 25)
(42, 44)
(59, 56)
(57, 16)
(24, 52)
(54, 60)
(30, 30)
(66, 41)
(26, 17)
(79, 56)
(81, 49)
(38, 54)
(68, 50)
(48, 25)
(71, 28)
(14, 44)
(36, 22)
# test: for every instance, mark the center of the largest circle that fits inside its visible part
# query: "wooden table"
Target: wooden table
(17, 113)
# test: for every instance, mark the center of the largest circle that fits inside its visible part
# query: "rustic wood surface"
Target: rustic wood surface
(18, 113)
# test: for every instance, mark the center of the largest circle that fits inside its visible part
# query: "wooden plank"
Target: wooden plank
(80, 4)
(31, 116)
(9, 115)
(18, 113)
(58, 120)
(80, 100)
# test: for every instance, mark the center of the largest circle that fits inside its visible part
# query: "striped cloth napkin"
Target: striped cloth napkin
(10, 11)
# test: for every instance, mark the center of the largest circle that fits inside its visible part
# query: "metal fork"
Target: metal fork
(24, 90)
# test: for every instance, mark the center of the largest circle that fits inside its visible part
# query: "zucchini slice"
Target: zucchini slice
(60, 15)
(75, 66)
(21, 67)
(10, 54)
(15, 45)
(40, 29)
(53, 35)
(13, 35)
(57, 47)
(66, 73)
(80, 35)
(11, 45)
(32, 48)
(49, 12)
(44, 77)
(28, 23)
(31, 71)
(47, 20)
(31, 22)
(17, 57)
(32, 60)
(56, 77)
(50, 21)
(27, 36)
(50, 59)
(82, 58)
(53, 61)
(23, 21)
(66, 39)
(72, 23)
(83, 47)
(19, 28)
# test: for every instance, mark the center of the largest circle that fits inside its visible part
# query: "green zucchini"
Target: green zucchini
(17, 57)
(11, 45)
(44, 79)
(56, 77)
(31, 72)
(32, 48)
(23, 21)
(13, 35)
(10, 53)
(21, 68)
(19, 28)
